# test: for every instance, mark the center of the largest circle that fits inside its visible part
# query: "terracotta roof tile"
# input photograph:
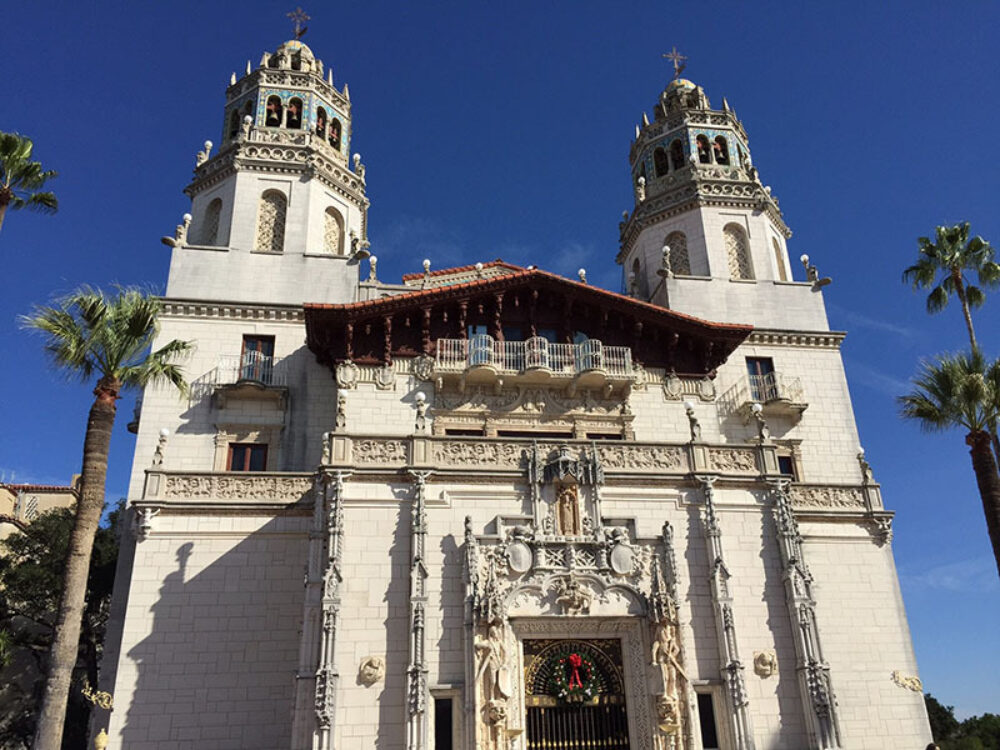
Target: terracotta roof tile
(462, 269)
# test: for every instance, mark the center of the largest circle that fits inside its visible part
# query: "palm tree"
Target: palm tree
(108, 337)
(962, 391)
(952, 256)
(21, 180)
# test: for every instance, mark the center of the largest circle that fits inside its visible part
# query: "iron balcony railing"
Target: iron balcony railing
(773, 386)
(250, 366)
(536, 353)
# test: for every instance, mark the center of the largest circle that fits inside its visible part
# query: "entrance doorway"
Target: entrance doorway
(575, 695)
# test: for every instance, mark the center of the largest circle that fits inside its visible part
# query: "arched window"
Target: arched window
(321, 122)
(704, 152)
(335, 133)
(209, 234)
(660, 163)
(274, 112)
(333, 232)
(680, 263)
(721, 150)
(294, 114)
(737, 252)
(779, 260)
(676, 154)
(234, 124)
(271, 222)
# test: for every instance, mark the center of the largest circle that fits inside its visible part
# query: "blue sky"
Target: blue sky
(502, 130)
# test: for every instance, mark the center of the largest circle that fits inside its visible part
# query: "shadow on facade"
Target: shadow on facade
(392, 704)
(217, 666)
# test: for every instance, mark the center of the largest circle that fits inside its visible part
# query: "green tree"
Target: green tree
(21, 179)
(962, 391)
(944, 725)
(952, 258)
(32, 563)
(91, 334)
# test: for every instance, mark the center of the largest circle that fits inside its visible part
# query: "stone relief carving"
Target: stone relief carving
(380, 451)
(826, 497)
(910, 682)
(371, 670)
(422, 367)
(765, 663)
(385, 378)
(221, 487)
(347, 375)
(572, 596)
(732, 460)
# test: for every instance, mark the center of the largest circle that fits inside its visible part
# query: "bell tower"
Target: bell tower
(278, 213)
(705, 236)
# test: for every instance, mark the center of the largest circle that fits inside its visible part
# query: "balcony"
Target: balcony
(250, 375)
(779, 394)
(481, 359)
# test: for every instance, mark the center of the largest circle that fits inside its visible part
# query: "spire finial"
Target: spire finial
(299, 18)
(676, 58)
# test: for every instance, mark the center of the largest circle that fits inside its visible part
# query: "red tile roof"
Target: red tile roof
(36, 487)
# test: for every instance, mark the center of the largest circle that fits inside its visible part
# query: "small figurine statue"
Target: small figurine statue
(640, 189)
(665, 270)
(812, 273)
(421, 403)
(427, 273)
(161, 447)
(359, 168)
(341, 423)
(763, 431)
(373, 268)
(247, 122)
(203, 156)
(693, 424)
(867, 477)
(582, 273)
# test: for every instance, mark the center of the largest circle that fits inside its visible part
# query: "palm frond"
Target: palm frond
(954, 390)
(45, 203)
(937, 300)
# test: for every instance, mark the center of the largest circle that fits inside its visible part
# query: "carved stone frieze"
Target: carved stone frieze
(732, 460)
(827, 497)
(377, 451)
(642, 457)
(226, 487)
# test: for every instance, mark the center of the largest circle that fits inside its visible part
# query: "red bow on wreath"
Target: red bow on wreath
(575, 662)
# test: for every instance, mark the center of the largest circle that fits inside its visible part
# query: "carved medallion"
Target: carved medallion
(519, 557)
(622, 558)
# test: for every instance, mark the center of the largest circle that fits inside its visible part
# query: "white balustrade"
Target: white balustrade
(536, 353)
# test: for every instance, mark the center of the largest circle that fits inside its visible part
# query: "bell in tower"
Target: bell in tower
(279, 213)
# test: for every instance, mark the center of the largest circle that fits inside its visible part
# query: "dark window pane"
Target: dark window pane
(786, 465)
(706, 715)
(258, 458)
(549, 334)
(442, 724)
(247, 457)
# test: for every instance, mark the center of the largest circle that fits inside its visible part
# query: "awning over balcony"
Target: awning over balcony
(519, 306)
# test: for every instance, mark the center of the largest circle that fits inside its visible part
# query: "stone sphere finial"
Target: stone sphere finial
(689, 405)
(164, 432)
(756, 408)
(427, 265)
(208, 145)
(479, 266)
(582, 273)
(420, 397)
(804, 259)
(247, 119)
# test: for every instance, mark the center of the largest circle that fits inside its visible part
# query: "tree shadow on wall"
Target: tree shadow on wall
(218, 664)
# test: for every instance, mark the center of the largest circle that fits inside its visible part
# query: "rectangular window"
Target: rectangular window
(706, 719)
(760, 373)
(257, 358)
(247, 457)
(443, 723)
(786, 465)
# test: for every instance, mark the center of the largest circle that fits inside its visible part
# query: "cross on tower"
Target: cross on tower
(676, 57)
(299, 17)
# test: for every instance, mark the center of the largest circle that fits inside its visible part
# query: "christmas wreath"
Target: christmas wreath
(574, 678)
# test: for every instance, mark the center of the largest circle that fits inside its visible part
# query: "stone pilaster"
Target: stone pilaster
(815, 684)
(417, 694)
(725, 623)
(687, 741)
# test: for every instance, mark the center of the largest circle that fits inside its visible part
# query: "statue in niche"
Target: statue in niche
(664, 653)
(568, 510)
(572, 597)
(493, 664)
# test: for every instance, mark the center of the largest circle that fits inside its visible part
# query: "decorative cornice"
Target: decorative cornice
(189, 308)
(797, 339)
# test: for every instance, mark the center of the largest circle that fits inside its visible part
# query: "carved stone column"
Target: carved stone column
(725, 622)
(815, 684)
(317, 676)
(417, 694)
(663, 605)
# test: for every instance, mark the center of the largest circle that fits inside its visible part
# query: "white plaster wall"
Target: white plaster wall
(302, 272)
(211, 635)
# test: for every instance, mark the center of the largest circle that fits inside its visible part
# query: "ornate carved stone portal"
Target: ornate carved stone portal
(562, 612)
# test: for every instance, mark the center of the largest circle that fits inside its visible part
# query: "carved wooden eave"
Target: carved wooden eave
(409, 325)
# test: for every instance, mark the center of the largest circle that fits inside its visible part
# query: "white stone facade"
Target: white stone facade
(414, 534)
